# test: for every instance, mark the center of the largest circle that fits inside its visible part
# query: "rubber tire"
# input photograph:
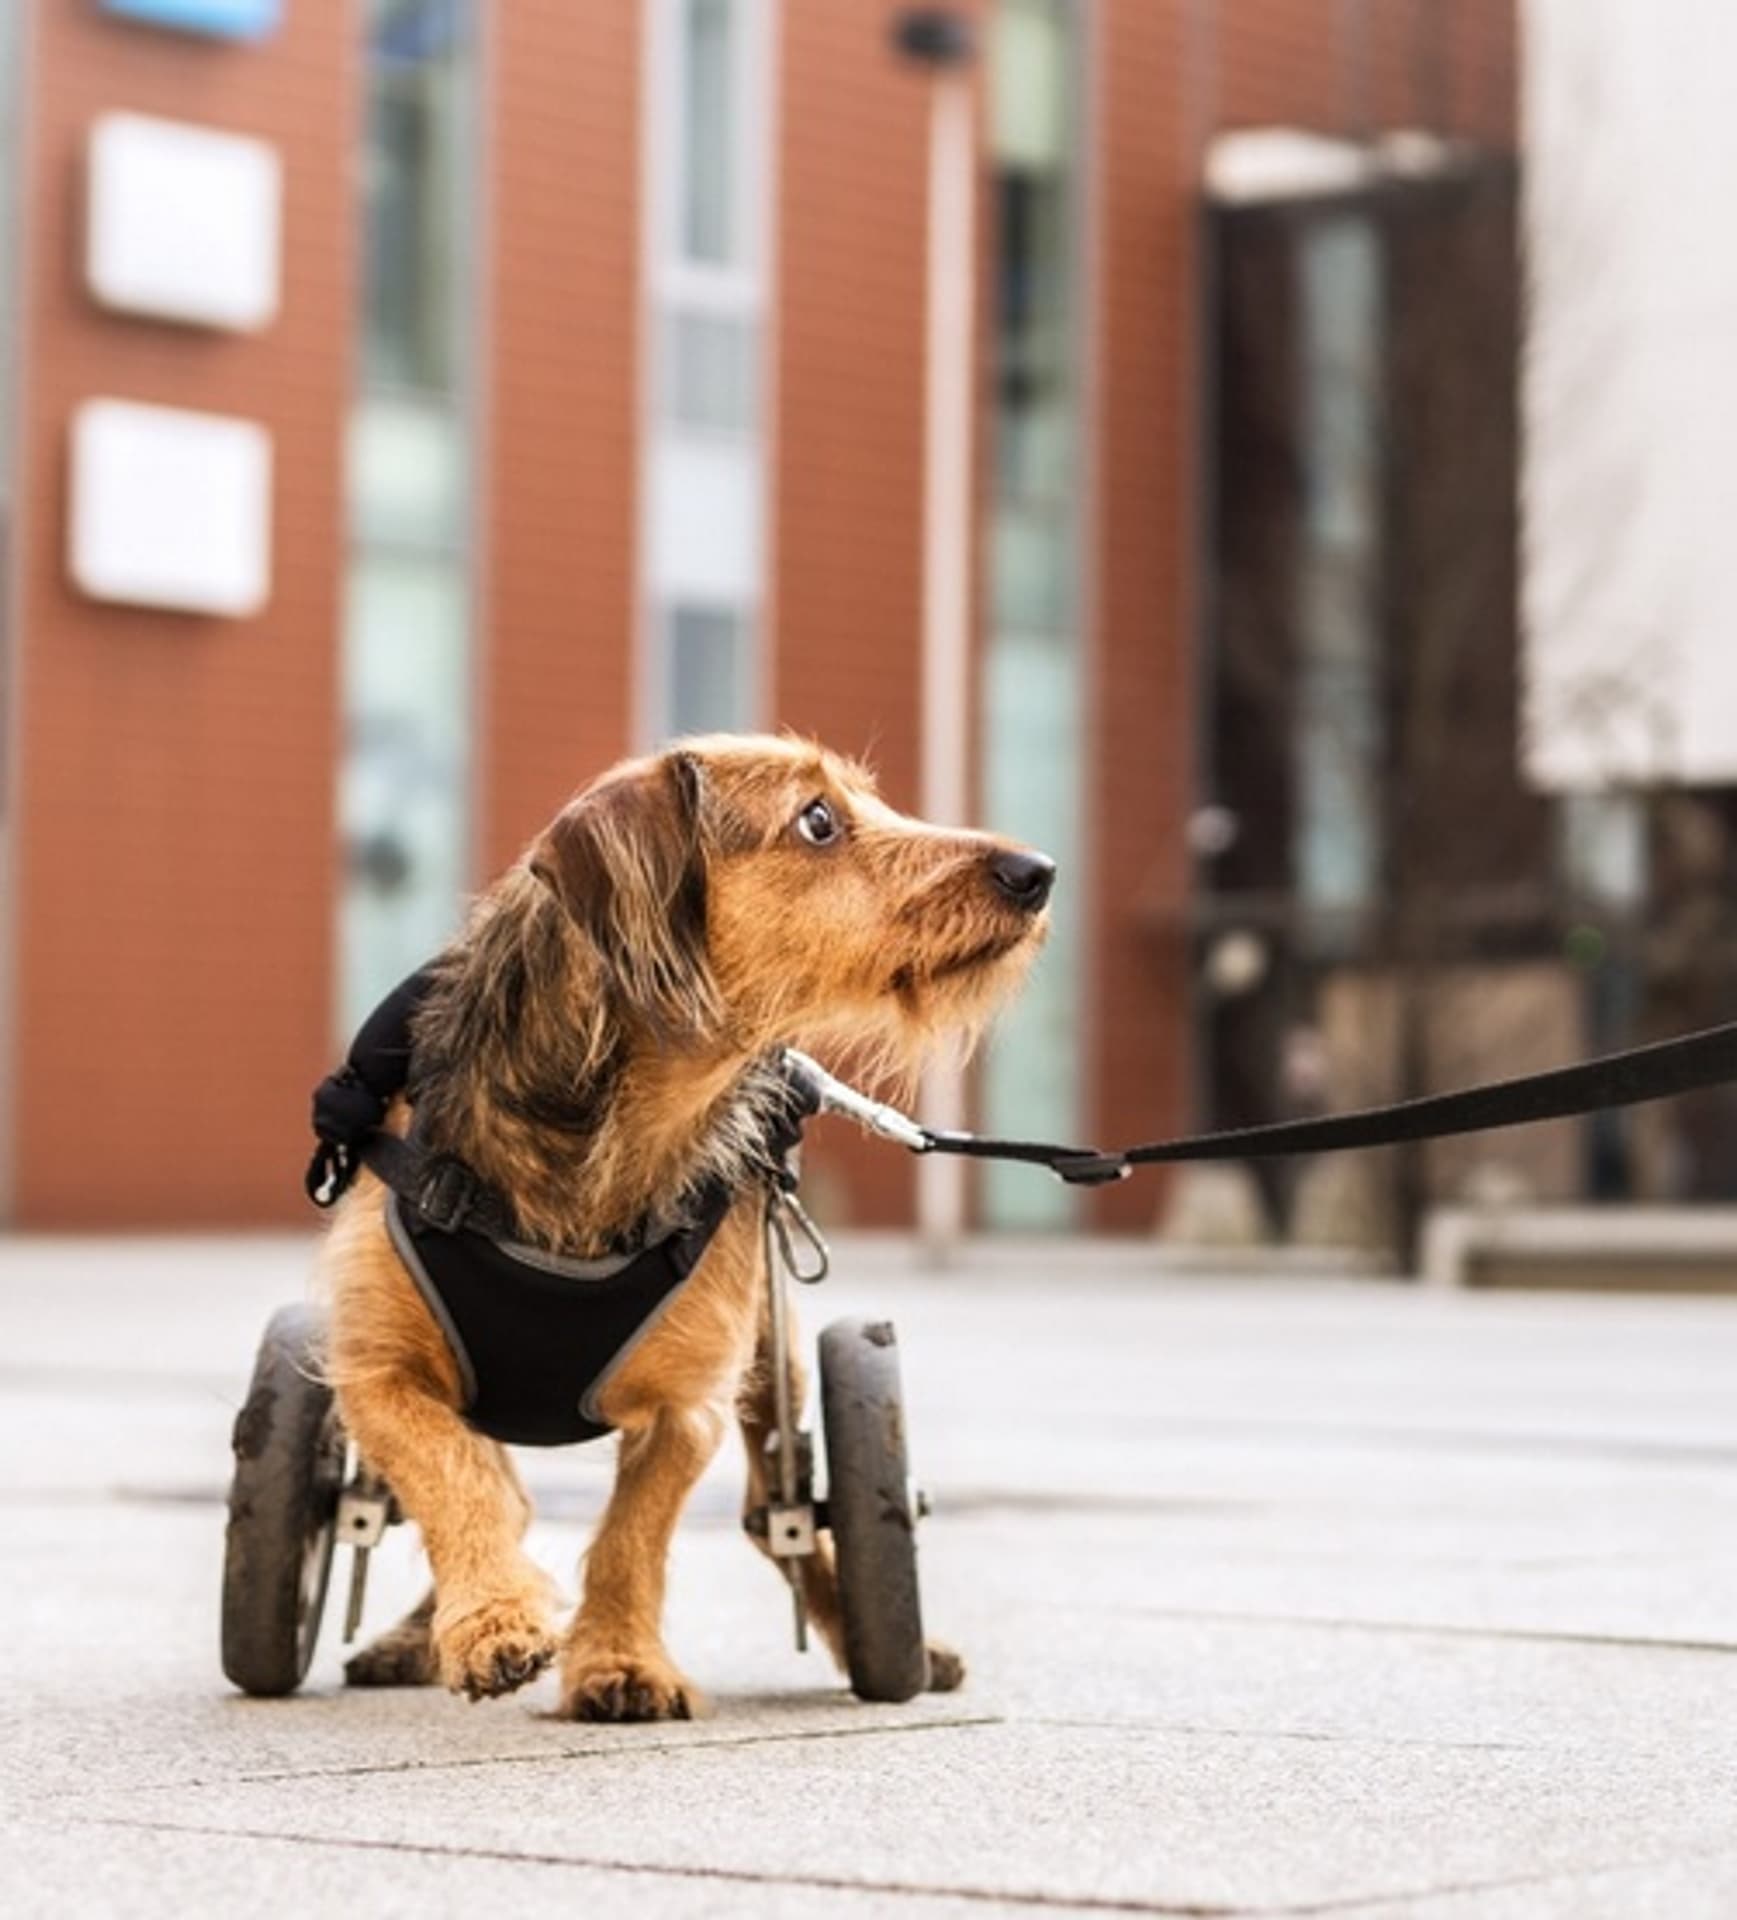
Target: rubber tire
(283, 1500)
(874, 1534)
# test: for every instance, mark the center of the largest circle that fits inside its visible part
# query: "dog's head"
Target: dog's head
(755, 892)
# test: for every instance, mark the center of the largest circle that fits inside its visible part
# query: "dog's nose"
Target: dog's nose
(1024, 878)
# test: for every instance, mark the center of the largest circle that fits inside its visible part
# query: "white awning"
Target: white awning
(1260, 166)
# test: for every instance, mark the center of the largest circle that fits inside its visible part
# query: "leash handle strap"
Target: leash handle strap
(1686, 1064)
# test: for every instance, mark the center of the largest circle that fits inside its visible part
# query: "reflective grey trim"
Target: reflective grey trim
(406, 1251)
(593, 1393)
(605, 1268)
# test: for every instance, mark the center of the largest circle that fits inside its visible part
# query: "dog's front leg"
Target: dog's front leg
(614, 1666)
(404, 1655)
(491, 1628)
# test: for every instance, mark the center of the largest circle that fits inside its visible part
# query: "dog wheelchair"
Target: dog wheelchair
(300, 1491)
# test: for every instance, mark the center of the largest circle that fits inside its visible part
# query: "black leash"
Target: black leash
(1684, 1065)
(350, 1106)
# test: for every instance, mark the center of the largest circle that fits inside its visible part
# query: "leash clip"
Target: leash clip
(838, 1096)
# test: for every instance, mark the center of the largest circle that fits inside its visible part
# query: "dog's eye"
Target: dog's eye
(818, 824)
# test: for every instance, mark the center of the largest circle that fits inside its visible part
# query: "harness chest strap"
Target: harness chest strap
(537, 1337)
(442, 1190)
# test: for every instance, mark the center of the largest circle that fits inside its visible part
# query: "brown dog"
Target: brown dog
(597, 1048)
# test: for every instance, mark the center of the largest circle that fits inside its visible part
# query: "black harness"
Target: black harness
(537, 1337)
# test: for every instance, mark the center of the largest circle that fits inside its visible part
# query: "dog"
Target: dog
(598, 1046)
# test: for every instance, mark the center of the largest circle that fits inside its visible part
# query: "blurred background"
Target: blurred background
(1315, 409)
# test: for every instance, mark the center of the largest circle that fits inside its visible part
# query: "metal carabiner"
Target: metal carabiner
(781, 1202)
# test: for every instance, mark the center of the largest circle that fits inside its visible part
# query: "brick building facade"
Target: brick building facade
(676, 253)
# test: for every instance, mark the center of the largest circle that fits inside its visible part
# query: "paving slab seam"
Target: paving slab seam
(101, 1382)
(1322, 1737)
(741, 1876)
(1056, 1902)
(1476, 1889)
(1628, 1450)
(112, 1497)
(1424, 1629)
(624, 1751)
(1310, 1735)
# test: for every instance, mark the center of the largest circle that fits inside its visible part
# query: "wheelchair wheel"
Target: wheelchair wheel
(283, 1508)
(869, 1510)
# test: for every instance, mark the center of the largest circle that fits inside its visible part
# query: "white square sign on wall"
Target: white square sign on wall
(170, 509)
(183, 223)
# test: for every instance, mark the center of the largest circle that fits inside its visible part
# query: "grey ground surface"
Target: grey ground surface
(1281, 1597)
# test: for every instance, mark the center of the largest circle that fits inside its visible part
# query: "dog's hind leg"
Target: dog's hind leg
(818, 1572)
(758, 1411)
(403, 1656)
(614, 1666)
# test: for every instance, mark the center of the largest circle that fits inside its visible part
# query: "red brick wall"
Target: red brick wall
(176, 869)
(1278, 62)
(1482, 65)
(561, 424)
(177, 878)
(1447, 65)
(848, 461)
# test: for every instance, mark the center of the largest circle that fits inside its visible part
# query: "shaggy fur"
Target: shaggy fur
(599, 1044)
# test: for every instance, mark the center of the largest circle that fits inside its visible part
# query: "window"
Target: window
(1338, 853)
(417, 82)
(711, 372)
(703, 547)
(709, 110)
(406, 750)
(1032, 692)
(403, 797)
(707, 649)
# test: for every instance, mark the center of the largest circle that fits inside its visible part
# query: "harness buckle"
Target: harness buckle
(447, 1195)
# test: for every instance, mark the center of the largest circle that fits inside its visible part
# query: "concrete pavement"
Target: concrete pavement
(1281, 1598)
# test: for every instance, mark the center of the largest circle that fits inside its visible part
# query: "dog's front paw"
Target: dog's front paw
(946, 1668)
(627, 1686)
(493, 1648)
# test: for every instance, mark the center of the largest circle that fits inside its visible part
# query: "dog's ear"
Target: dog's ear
(627, 860)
